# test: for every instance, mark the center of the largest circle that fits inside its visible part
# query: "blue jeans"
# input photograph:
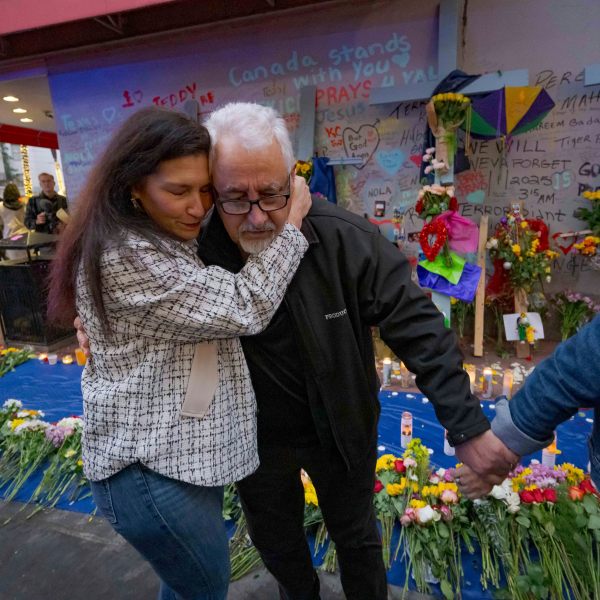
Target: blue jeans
(177, 527)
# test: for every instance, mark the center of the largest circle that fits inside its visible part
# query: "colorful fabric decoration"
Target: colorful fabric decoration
(439, 266)
(509, 111)
(463, 234)
(464, 290)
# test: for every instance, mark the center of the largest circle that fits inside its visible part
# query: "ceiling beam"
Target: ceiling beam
(113, 23)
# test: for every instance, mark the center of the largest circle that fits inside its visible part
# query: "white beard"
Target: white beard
(256, 246)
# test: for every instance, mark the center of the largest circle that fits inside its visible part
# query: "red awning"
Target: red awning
(10, 134)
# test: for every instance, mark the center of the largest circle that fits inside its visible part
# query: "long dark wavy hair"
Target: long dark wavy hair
(104, 210)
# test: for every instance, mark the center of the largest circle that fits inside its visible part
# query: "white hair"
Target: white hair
(254, 126)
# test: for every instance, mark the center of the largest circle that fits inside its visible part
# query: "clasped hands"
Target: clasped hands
(486, 463)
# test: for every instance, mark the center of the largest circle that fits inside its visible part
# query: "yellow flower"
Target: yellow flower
(417, 503)
(310, 494)
(395, 489)
(15, 423)
(574, 475)
(80, 463)
(385, 462)
(453, 300)
(516, 249)
(524, 225)
(70, 453)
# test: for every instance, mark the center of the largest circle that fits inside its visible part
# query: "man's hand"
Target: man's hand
(82, 338)
(470, 484)
(41, 219)
(487, 457)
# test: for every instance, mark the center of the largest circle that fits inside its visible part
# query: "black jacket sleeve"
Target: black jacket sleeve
(30, 213)
(414, 329)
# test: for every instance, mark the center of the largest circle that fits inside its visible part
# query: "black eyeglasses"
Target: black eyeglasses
(266, 203)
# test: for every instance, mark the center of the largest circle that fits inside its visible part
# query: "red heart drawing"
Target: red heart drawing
(564, 249)
(417, 159)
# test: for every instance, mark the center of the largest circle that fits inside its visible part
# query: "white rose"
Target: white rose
(513, 508)
(498, 492)
(425, 514)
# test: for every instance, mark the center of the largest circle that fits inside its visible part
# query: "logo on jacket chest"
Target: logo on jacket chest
(336, 315)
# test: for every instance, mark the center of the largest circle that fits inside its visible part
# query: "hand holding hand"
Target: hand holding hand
(487, 457)
(472, 485)
(82, 338)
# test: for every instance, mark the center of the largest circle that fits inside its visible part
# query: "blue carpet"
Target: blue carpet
(56, 390)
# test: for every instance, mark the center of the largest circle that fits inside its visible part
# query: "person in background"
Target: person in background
(42, 209)
(12, 215)
(554, 392)
(169, 409)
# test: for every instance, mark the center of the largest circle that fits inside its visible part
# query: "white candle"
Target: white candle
(448, 449)
(406, 429)
(507, 383)
(486, 388)
(387, 370)
(548, 458)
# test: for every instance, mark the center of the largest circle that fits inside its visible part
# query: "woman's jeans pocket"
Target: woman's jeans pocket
(103, 500)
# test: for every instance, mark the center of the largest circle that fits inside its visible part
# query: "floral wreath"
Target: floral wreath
(438, 229)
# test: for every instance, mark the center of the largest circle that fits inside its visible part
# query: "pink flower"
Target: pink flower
(410, 462)
(449, 497)
(408, 517)
(446, 512)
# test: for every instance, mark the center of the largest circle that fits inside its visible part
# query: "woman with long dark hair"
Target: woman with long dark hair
(168, 403)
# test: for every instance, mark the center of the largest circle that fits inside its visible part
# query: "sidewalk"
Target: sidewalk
(60, 555)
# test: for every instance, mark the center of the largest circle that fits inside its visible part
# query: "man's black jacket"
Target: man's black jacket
(350, 279)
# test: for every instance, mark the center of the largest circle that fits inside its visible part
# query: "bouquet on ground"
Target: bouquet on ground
(574, 310)
(13, 357)
(64, 474)
(433, 525)
(24, 447)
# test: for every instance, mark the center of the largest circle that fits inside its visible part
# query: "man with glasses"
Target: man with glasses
(313, 368)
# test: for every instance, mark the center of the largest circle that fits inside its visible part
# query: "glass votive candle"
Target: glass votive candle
(472, 373)
(80, 357)
(404, 376)
(43, 357)
(406, 429)
(486, 387)
(448, 449)
(507, 383)
(67, 359)
(387, 370)
(52, 359)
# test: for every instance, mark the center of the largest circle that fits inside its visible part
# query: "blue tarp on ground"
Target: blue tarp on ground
(56, 390)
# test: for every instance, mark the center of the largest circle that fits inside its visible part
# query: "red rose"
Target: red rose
(526, 496)
(550, 495)
(419, 206)
(378, 486)
(576, 493)
(399, 466)
(587, 486)
(538, 495)
(453, 204)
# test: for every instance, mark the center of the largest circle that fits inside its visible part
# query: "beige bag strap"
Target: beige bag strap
(203, 381)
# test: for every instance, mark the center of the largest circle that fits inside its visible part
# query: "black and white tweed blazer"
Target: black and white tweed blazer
(160, 305)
